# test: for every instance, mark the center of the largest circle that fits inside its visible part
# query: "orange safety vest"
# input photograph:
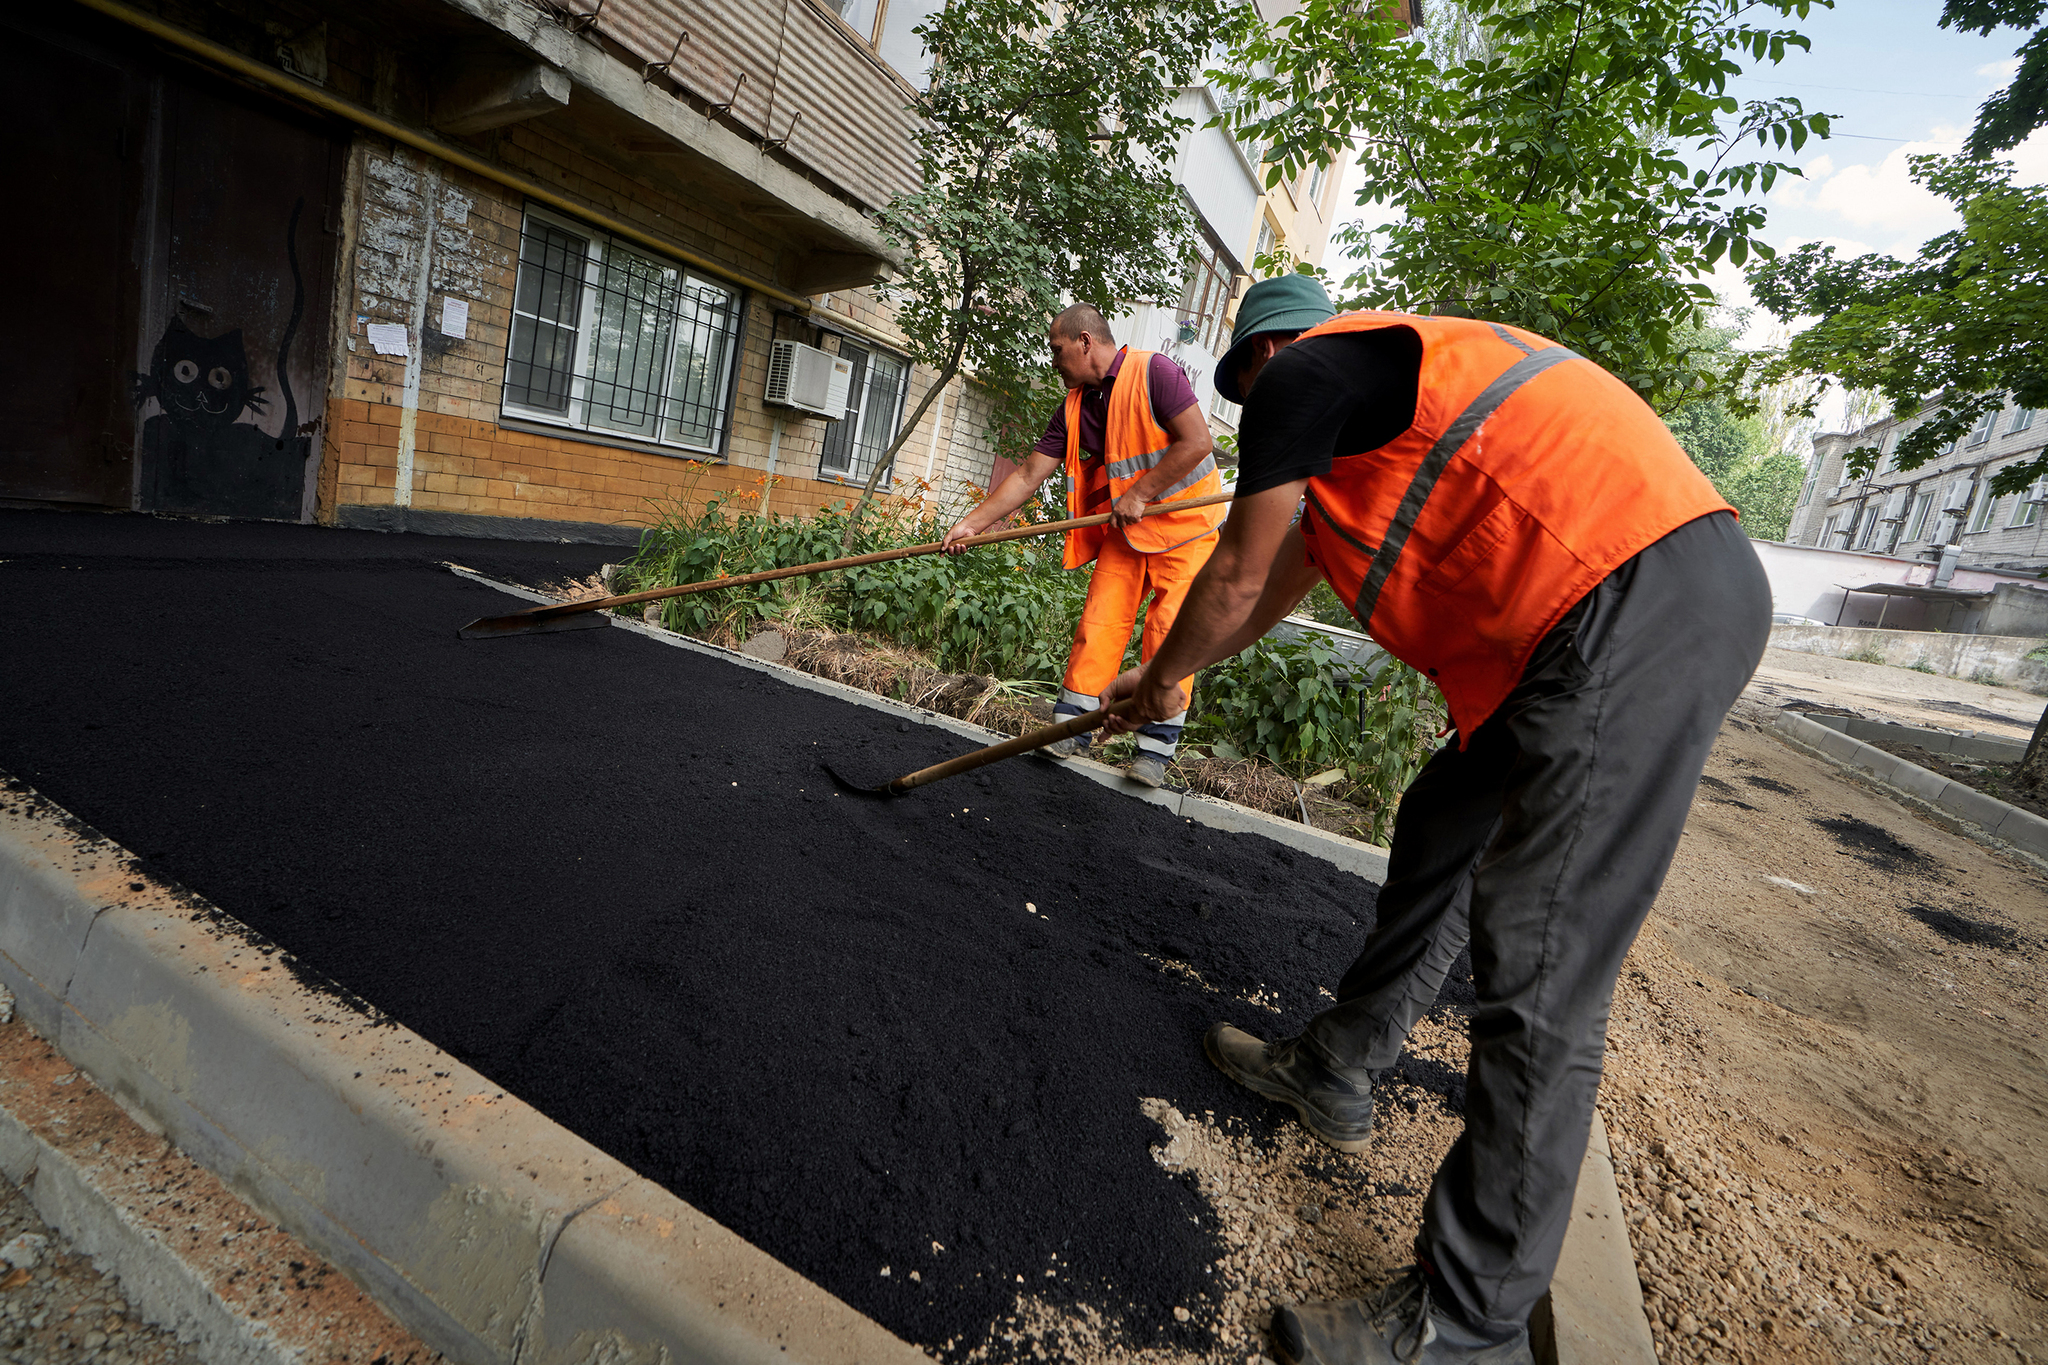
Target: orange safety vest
(1133, 442)
(1529, 475)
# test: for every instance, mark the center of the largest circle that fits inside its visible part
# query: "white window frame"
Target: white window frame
(576, 414)
(1981, 433)
(1987, 506)
(2022, 418)
(1923, 507)
(2024, 513)
(859, 413)
(1866, 524)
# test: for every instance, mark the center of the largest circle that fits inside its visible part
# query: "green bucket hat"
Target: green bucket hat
(1285, 303)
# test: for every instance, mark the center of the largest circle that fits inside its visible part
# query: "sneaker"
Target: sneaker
(1334, 1105)
(1149, 769)
(1070, 747)
(1397, 1326)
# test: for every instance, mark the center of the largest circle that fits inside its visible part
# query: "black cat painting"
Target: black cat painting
(198, 456)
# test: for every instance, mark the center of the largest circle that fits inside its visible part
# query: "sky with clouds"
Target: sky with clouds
(1899, 84)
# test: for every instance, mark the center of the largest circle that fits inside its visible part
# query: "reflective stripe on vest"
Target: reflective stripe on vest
(1461, 430)
(1521, 483)
(1133, 444)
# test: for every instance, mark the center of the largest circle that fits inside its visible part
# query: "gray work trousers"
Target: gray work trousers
(1543, 844)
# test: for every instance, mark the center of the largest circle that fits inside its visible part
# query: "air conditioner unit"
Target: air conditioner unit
(807, 379)
(1895, 505)
(2037, 491)
(1957, 498)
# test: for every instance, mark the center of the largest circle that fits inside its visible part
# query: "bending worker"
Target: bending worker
(1515, 522)
(1129, 434)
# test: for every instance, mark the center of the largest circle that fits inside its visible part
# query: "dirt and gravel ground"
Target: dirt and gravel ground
(1886, 692)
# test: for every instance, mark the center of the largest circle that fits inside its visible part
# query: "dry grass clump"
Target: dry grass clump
(908, 676)
(1245, 782)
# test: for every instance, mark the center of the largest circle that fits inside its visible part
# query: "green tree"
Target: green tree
(1570, 166)
(1955, 331)
(1044, 140)
(1950, 333)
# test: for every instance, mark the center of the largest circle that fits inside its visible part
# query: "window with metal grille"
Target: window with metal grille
(609, 338)
(874, 409)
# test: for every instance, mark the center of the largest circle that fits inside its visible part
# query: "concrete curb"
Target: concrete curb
(191, 1257)
(1595, 1309)
(2022, 829)
(1994, 748)
(491, 1232)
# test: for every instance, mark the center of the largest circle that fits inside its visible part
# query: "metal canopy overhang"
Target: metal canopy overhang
(1923, 593)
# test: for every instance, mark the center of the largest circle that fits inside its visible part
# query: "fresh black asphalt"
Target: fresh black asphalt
(610, 875)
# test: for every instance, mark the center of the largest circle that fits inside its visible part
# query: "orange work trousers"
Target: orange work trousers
(1123, 579)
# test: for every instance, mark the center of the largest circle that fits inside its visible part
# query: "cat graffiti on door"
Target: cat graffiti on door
(198, 456)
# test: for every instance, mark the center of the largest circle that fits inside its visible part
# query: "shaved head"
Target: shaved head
(1071, 322)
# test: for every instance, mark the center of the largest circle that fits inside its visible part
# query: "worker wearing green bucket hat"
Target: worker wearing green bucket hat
(1277, 309)
(1514, 522)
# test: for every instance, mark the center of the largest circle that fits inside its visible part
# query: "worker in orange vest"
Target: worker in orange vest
(1129, 434)
(1512, 520)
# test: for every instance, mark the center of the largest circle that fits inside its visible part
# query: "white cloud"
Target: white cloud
(1885, 197)
(2001, 71)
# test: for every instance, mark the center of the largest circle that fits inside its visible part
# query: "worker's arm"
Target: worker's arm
(1258, 572)
(1189, 445)
(1007, 498)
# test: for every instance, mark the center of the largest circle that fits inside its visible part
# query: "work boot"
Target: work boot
(1070, 747)
(1335, 1105)
(1396, 1326)
(1149, 769)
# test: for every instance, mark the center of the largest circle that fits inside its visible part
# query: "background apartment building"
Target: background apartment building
(492, 268)
(1947, 502)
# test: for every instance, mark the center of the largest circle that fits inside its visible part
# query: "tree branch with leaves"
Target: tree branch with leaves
(1045, 140)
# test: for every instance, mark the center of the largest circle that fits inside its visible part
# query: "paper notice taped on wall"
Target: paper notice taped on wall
(454, 318)
(388, 338)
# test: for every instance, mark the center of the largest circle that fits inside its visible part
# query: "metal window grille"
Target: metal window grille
(547, 306)
(609, 338)
(874, 410)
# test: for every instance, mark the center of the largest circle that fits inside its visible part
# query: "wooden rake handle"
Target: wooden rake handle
(855, 561)
(1009, 748)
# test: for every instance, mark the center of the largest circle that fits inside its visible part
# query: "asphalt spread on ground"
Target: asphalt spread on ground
(610, 875)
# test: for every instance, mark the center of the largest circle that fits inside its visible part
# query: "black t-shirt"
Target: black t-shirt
(1340, 394)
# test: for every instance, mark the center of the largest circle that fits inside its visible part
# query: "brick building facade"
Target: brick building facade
(1914, 513)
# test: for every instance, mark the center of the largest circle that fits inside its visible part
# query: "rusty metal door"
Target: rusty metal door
(77, 118)
(237, 382)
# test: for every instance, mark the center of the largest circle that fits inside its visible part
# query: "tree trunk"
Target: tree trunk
(867, 493)
(2033, 770)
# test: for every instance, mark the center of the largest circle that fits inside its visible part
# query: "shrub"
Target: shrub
(1988, 677)
(1299, 705)
(1920, 665)
(1869, 654)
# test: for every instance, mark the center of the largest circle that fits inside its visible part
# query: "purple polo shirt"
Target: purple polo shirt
(1172, 395)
